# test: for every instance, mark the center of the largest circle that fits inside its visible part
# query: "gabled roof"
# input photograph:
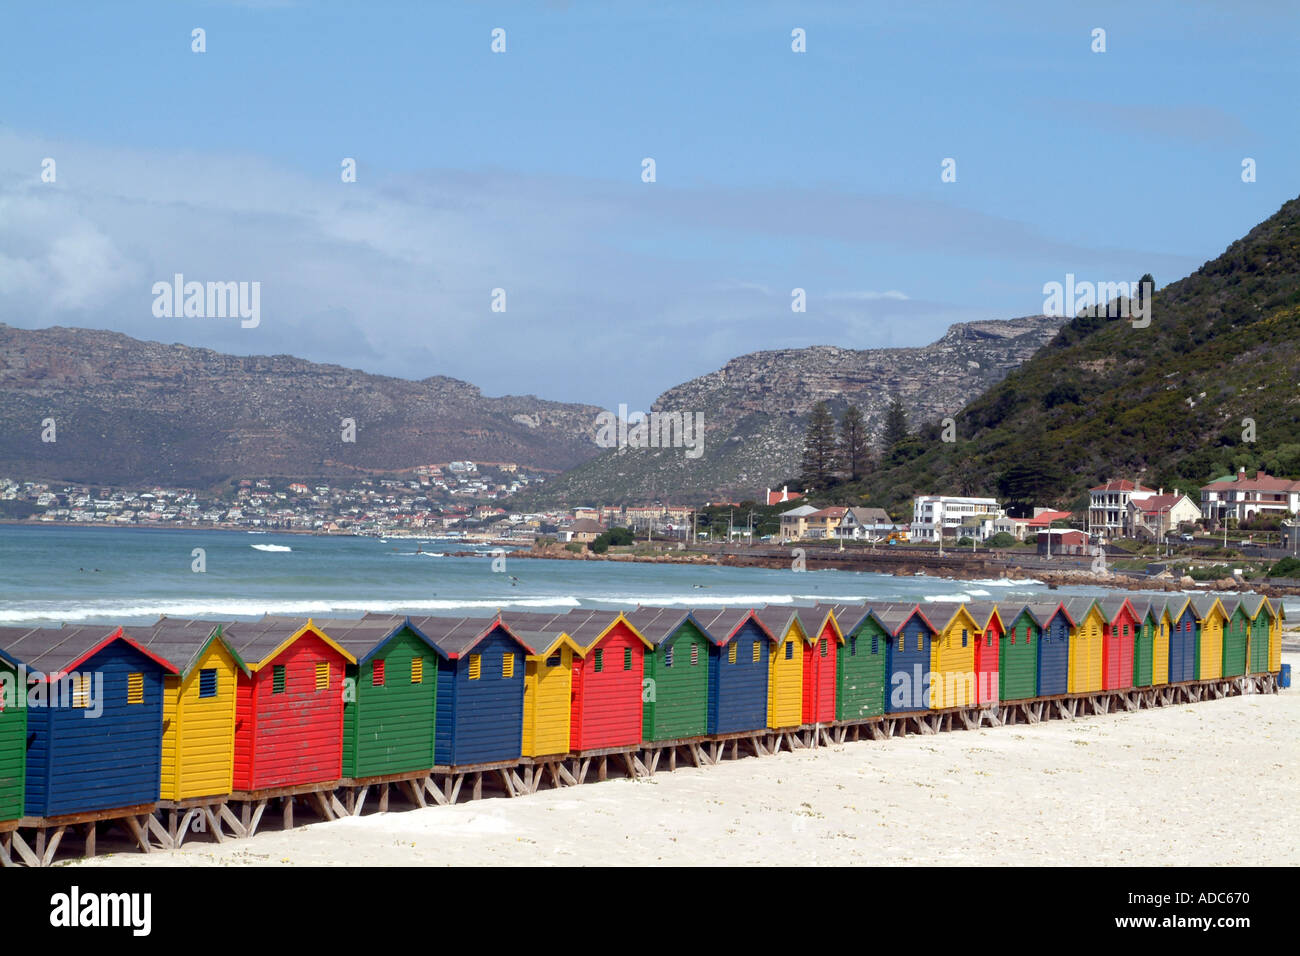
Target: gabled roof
(1145, 607)
(454, 637)
(658, 624)
(591, 626)
(778, 619)
(1044, 611)
(1122, 484)
(1111, 608)
(1253, 604)
(984, 612)
(723, 623)
(184, 642)
(798, 512)
(813, 621)
(894, 617)
(942, 613)
(367, 637)
(1081, 607)
(544, 632)
(1205, 605)
(259, 642)
(58, 650)
(1177, 605)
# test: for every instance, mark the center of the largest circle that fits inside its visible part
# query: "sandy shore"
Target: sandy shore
(1209, 784)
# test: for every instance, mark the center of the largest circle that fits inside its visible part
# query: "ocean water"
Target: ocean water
(53, 575)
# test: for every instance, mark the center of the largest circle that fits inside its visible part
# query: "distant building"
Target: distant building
(1242, 498)
(582, 531)
(1108, 505)
(866, 523)
(794, 523)
(824, 522)
(1052, 541)
(936, 515)
(1155, 515)
(782, 496)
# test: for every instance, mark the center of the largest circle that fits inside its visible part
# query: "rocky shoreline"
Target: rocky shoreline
(901, 567)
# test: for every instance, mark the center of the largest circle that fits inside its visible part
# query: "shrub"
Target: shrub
(1285, 568)
(1003, 539)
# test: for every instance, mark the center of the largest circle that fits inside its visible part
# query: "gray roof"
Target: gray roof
(363, 637)
(1044, 611)
(657, 624)
(587, 625)
(1203, 603)
(894, 616)
(940, 613)
(983, 611)
(849, 617)
(179, 640)
(454, 637)
(721, 623)
(1111, 607)
(255, 641)
(51, 649)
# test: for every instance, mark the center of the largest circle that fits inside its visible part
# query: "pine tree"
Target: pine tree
(853, 449)
(818, 462)
(896, 429)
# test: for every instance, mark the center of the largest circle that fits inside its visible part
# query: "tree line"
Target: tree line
(836, 453)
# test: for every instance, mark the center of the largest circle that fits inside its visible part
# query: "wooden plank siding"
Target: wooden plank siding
(952, 660)
(548, 686)
(607, 690)
(908, 664)
(294, 736)
(1019, 658)
(13, 744)
(860, 671)
(1210, 647)
(480, 719)
(1236, 637)
(1119, 634)
(1085, 675)
(389, 727)
(675, 697)
(785, 678)
(1182, 643)
(738, 681)
(78, 765)
(820, 656)
(1054, 652)
(199, 732)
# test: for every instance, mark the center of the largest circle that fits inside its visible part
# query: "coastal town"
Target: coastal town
(465, 499)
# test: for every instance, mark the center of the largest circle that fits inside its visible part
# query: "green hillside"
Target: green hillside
(1164, 404)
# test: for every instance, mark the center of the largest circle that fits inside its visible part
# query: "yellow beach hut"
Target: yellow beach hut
(1213, 616)
(1164, 623)
(1275, 636)
(785, 667)
(548, 680)
(952, 655)
(198, 743)
(1085, 645)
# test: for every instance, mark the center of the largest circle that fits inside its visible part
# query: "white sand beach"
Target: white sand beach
(1204, 784)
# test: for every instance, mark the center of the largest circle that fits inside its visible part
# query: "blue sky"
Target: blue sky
(522, 171)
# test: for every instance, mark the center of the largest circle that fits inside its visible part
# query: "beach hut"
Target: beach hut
(548, 680)
(740, 654)
(822, 640)
(1148, 616)
(198, 742)
(1259, 612)
(79, 765)
(785, 675)
(907, 662)
(860, 670)
(952, 655)
(989, 633)
(1209, 651)
(1236, 638)
(13, 736)
(608, 681)
(1085, 645)
(1182, 640)
(1053, 647)
(1118, 634)
(1275, 637)
(289, 709)
(390, 700)
(480, 695)
(1164, 626)
(1018, 655)
(675, 701)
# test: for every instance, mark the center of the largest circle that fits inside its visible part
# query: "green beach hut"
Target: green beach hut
(860, 669)
(1018, 653)
(1236, 638)
(13, 737)
(1144, 642)
(389, 710)
(675, 689)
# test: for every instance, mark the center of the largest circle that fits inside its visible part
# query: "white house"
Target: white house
(1236, 496)
(1108, 505)
(933, 515)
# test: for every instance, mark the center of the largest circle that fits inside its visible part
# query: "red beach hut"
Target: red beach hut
(988, 644)
(607, 707)
(289, 709)
(822, 638)
(1117, 639)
